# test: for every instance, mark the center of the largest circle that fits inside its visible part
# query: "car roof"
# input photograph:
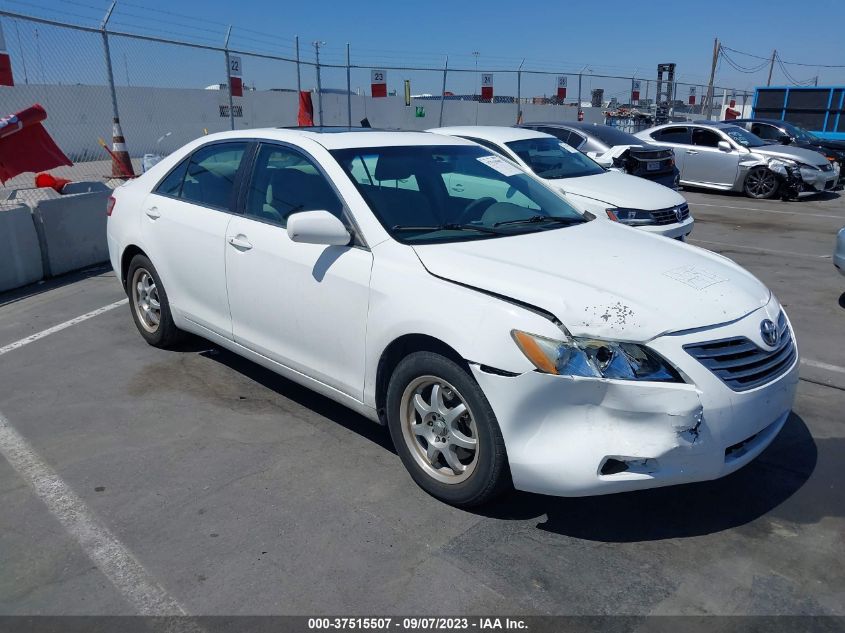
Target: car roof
(498, 134)
(575, 125)
(340, 137)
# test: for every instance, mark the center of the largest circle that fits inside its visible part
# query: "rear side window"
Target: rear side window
(575, 140)
(172, 184)
(559, 133)
(672, 135)
(210, 177)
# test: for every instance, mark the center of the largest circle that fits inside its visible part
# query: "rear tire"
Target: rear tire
(149, 305)
(445, 431)
(761, 183)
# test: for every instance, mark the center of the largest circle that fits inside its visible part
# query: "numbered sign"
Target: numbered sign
(635, 91)
(236, 85)
(561, 87)
(378, 83)
(692, 95)
(487, 86)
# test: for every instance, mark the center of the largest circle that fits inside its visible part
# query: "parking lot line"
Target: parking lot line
(110, 555)
(61, 326)
(820, 365)
(761, 250)
(802, 213)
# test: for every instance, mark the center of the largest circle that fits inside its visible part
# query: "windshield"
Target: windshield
(611, 136)
(743, 136)
(800, 133)
(445, 193)
(549, 158)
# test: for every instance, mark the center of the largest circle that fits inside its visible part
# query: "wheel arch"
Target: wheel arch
(126, 257)
(398, 349)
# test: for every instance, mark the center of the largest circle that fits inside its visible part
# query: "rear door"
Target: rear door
(184, 228)
(706, 163)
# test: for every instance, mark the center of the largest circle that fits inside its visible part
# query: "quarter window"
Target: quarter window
(172, 184)
(285, 182)
(210, 177)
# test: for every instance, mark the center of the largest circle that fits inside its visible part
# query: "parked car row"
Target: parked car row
(462, 293)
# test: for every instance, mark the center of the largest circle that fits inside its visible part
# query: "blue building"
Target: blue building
(817, 109)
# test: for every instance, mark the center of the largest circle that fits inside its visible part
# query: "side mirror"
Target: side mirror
(317, 227)
(604, 161)
(724, 146)
(785, 140)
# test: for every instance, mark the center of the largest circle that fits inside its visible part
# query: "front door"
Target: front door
(707, 164)
(301, 305)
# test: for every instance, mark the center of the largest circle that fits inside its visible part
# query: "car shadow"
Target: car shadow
(758, 489)
(39, 287)
(685, 510)
(842, 300)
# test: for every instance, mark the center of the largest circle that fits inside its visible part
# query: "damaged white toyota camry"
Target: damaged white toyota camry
(501, 335)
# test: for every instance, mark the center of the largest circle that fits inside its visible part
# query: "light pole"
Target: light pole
(475, 54)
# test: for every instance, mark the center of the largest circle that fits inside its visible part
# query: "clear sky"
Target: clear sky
(602, 37)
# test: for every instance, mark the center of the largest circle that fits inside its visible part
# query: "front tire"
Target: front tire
(149, 304)
(445, 431)
(761, 183)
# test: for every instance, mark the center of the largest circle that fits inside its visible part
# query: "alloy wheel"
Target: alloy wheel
(439, 429)
(146, 300)
(761, 183)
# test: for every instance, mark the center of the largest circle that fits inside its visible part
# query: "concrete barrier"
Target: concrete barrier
(72, 231)
(20, 256)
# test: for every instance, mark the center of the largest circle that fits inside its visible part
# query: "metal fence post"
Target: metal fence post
(443, 90)
(317, 44)
(519, 93)
(298, 79)
(121, 163)
(579, 94)
(348, 89)
(229, 79)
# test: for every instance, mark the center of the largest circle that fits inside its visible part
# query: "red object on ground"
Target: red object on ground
(49, 180)
(306, 110)
(26, 146)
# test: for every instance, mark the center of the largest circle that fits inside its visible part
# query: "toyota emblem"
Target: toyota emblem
(770, 333)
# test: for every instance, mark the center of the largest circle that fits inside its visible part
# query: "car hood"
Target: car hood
(621, 190)
(800, 154)
(604, 280)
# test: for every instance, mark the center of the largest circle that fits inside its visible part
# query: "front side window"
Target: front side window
(705, 138)
(549, 158)
(766, 131)
(210, 177)
(460, 193)
(285, 182)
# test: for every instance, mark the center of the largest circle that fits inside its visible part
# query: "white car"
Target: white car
(499, 341)
(588, 186)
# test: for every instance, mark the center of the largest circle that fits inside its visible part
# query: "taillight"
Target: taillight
(110, 206)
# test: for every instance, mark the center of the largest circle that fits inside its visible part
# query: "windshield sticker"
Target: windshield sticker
(694, 277)
(500, 165)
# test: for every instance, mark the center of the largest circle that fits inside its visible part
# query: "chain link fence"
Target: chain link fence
(169, 91)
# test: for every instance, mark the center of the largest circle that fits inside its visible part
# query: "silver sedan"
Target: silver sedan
(718, 155)
(839, 252)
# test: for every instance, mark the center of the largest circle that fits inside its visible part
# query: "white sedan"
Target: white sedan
(500, 341)
(587, 185)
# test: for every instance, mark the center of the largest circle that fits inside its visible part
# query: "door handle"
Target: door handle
(240, 242)
(692, 151)
(153, 213)
(457, 187)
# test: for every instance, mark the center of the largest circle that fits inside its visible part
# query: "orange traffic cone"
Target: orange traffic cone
(121, 165)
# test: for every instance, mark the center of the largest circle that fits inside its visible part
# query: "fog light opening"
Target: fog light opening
(613, 466)
(639, 465)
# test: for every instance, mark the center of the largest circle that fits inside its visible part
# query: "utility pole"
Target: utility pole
(717, 48)
(317, 45)
(771, 67)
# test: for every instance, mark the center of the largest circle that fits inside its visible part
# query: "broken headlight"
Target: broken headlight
(594, 358)
(631, 217)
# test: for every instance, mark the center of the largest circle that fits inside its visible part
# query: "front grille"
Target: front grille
(668, 216)
(740, 364)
